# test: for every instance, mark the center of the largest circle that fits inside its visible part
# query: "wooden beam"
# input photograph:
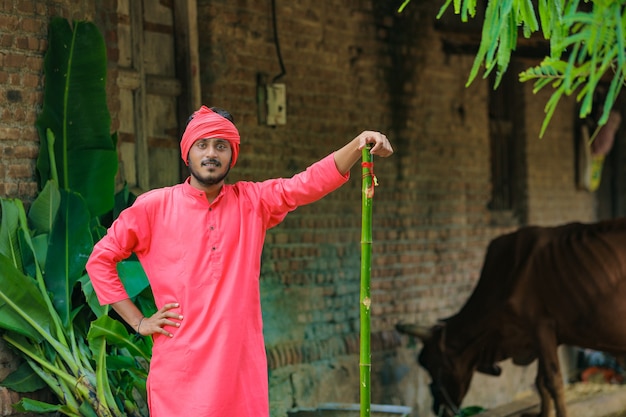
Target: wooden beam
(155, 84)
(187, 62)
(187, 54)
(139, 105)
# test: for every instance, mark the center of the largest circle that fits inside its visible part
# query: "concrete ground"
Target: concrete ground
(583, 400)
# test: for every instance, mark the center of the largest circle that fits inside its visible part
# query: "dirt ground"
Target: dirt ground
(584, 399)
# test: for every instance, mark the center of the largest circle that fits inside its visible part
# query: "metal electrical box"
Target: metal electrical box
(276, 104)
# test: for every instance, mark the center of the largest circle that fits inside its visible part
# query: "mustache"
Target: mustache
(211, 161)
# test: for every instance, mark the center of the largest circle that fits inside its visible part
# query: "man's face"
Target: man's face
(209, 161)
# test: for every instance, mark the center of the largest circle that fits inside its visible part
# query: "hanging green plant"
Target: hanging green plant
(586, 39)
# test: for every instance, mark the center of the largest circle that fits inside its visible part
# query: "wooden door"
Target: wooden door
(159, 88)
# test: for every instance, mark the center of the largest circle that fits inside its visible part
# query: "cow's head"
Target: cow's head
(450, 373)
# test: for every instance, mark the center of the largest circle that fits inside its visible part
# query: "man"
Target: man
(200, 244)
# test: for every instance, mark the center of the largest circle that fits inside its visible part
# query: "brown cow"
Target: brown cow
(540, 287)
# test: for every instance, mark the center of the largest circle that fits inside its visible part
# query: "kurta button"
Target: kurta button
(213, 248)
(212, 228)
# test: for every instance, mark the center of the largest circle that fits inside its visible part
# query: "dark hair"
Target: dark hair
(225, 114)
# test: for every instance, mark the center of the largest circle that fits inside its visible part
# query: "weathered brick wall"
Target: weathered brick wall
(349, 66)
(553, 196)
(22, 43)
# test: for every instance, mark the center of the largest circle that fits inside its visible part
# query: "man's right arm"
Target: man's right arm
(148, 325)
(123, 238)
(102, 270)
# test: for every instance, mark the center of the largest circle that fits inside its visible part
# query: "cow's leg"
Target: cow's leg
(545, 400)
(544, 394)
(549, 370)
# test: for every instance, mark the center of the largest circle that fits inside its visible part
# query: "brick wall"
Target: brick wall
(350, 66)
(22, 43)
(552, 193)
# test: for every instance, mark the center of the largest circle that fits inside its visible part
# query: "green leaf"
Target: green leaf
(133, 277)
(91, 298)
(44, 209)
(439, 14)
(527, 11)
(9, 225)
(105, 398)
(23, 309)
(70, 247)
(40, 247)
(550, 107)
(76, 113)
(23, 379)
(86, 410)
(123, 199)
(40, 407)
(34, 406)
(116, 334)
(470, 411)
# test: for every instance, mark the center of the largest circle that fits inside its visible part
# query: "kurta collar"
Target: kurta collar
(192, 192)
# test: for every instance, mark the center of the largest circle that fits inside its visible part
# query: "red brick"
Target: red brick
(6, 40)
(31, 80)
(14, 61)
(7, 132)
(19, 171)
(9, 22)
(34, 63)
(10, 190)
(34, 26)
(21, 43)
(28, 189)
(26, 7)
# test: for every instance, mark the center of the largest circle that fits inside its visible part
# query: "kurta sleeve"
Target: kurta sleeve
(126, 235)
(280, 196)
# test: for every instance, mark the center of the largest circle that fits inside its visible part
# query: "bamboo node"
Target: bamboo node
(369, 192)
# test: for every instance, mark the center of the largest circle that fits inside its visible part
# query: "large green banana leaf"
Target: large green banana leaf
(23, 380)
(135, 282)
(9, 225)
(44, 209)
(41, 216)
(75, 112)
(116, 334)
(70, 246)
(23, 309)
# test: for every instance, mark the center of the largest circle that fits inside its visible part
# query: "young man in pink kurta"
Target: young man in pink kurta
(200, 245)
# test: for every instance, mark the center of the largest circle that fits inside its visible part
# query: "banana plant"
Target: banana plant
(47, 302)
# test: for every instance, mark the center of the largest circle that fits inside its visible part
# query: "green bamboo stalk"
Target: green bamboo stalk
(365, 363)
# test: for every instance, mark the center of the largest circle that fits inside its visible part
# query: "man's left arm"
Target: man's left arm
(347, 156)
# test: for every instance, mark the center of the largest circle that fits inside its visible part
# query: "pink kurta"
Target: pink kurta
(207, 258)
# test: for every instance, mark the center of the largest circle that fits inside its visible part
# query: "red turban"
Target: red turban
(206, 124)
